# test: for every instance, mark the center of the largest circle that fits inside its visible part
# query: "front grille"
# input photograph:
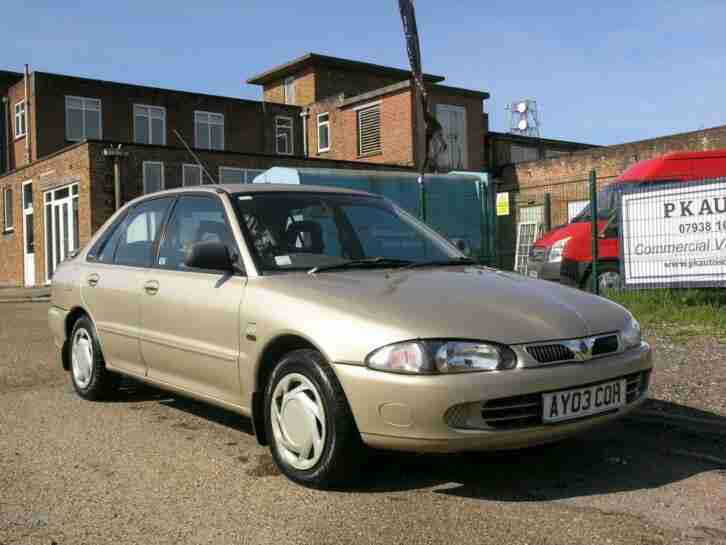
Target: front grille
(508, 413)
(577, 349)
(524, 411)
(549, 353)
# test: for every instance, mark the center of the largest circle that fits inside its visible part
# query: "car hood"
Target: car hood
(465, 302)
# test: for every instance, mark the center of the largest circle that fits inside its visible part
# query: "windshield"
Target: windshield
(299, 231)
(606, 203)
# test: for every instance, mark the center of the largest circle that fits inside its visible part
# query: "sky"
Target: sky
(601, 72)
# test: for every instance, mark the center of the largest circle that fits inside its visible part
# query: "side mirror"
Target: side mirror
(462, 245)
(210, 255)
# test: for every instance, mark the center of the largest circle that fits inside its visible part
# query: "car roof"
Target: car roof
(255, 188)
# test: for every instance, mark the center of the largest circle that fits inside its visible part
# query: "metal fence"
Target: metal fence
(651, 234)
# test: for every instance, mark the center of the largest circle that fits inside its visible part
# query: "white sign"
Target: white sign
(674, 236)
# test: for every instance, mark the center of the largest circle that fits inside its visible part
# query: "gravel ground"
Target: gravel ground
(152, 468)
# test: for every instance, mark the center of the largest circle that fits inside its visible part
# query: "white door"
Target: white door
(28, 235)
(62, 235)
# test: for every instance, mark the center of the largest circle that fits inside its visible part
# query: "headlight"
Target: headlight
(632, 337)
(433, 357)
(556, 250)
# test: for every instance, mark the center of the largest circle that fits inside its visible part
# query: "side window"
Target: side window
(195, 219)
(138, 235)
(103, 250)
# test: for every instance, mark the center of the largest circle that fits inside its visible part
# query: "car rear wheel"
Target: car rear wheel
(90, 378)
(313, 437)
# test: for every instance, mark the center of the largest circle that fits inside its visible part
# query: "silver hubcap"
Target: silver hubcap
(298, 421)
(82, 357)
(610, 281)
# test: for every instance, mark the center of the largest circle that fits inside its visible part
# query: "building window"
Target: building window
(283, 135)
(8, 209)
(453, 124)
(323, 132)
(191, 175)
(83, 119)
(230, 175)
(209, 130)
(153, 176)
(149, 125)
(369, 130)
(288, 89)
(20, 126)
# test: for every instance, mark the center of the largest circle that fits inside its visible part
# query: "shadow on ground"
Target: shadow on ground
(624, 456)
(627, 455)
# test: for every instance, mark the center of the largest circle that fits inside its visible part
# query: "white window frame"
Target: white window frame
(143, 174)
(464, 146)
(288, 90)
(358, 111)
(325, 124)
(193, 166)
(210, 116)
(84, 103)
(21, 119)
(149, 108)
(8, 228)
(291, 141)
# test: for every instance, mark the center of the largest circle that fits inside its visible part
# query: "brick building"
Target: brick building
(67, 143)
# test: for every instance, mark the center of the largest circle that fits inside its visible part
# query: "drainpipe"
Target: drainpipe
(28, 132)
(6, 132)
(116, 154)
(304, 115)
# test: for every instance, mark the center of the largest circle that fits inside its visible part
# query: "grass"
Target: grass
(678, 313)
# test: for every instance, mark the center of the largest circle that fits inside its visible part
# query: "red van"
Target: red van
(565, 253)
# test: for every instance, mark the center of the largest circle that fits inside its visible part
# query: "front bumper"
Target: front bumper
(407, 412)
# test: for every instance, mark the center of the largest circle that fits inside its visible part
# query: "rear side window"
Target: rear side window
(137, 237)
(195, 219)
(105, 246)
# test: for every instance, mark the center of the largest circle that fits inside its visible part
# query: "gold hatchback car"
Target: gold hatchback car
(336, 321)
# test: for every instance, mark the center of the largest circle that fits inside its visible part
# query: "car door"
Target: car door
(190, 319)
(112, 281)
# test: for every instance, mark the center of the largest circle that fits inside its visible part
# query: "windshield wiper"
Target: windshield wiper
(441, 263)
(363, 263)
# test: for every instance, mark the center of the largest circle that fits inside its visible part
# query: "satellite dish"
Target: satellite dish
(522, 125)
(522, 107)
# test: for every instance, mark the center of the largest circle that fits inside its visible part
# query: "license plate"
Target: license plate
(533, 274)
(571, 404)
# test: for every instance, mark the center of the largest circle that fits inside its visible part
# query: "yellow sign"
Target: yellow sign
(503, 204)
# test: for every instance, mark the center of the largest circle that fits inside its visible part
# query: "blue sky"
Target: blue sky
(605, 73)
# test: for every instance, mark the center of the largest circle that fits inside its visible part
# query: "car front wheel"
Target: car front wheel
(313, 437)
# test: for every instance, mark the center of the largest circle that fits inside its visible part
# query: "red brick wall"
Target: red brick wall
(304, 89)
(62, 169)
(396, 131)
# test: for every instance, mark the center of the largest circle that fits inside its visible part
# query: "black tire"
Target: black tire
(603, 269)
(102, 383)
(343, 451)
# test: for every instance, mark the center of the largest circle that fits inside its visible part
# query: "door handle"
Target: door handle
(93, 280)
(151, 287)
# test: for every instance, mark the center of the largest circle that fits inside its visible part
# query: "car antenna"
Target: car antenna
(194, 156)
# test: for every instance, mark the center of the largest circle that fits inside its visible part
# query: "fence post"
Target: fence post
(422, 196)
(593, 222)
(547, 212)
